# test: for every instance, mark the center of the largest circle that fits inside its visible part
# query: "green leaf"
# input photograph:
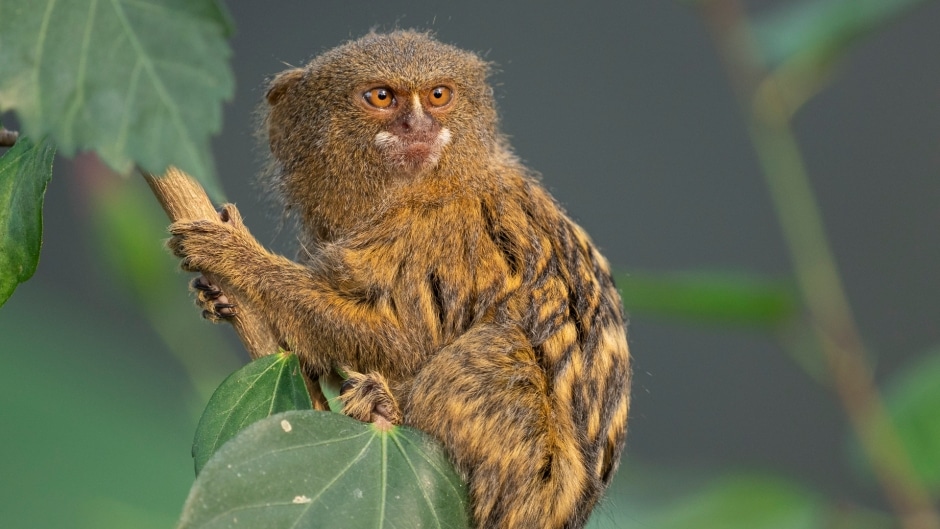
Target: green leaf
(138, 82)
(25, 171)
(709, 297)
(819, 31)
(746, 502)
(266, 386)
(306, 469)
(913, 400)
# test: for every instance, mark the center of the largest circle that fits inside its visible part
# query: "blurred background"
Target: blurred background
(629, 111)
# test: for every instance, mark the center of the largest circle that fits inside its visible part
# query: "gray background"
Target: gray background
(625, 110)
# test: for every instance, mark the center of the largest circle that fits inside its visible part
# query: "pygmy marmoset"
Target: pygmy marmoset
(438, 273)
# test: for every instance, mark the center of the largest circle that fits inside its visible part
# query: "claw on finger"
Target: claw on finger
(229, 214)
(226, 310)
(211, 316)
(205, 297)
(202, 283)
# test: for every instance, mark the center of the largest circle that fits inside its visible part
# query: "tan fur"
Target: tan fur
(441, 267)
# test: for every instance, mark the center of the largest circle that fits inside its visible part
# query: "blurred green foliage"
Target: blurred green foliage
(711, 297)
(820, 31)
(746, 502)
(91, 435)
(98, 417)
(913, 398)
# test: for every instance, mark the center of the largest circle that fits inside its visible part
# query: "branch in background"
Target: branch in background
(784, 171)
(183, 198)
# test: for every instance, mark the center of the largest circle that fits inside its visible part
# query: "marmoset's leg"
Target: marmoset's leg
(486, 397)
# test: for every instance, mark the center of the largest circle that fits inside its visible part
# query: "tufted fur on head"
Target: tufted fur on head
(324, 165)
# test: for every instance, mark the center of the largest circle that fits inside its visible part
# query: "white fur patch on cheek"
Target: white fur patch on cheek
(385, 139)
(441, 141)
(443, 138)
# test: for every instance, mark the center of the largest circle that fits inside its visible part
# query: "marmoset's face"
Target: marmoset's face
(412, 138)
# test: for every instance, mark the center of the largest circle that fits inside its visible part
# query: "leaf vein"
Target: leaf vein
(40, 53)
(384, 496)
(442, 472)
(325, 442)
(187, 141)
(332, 481)
(424, 492)
(124, 125)
(229, 416)
(79, 95)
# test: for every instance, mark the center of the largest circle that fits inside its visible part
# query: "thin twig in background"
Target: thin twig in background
(784, 171)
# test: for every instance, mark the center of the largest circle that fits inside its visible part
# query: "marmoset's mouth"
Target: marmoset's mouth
(415, 157)
(412, 155)
(419, 150)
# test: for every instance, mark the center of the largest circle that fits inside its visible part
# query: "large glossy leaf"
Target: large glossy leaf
(266, 386)
(24, 172)
(138, 82)
(306, 469)
(709, 297)
(913, 399)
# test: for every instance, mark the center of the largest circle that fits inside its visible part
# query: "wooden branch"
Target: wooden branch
(183, 198)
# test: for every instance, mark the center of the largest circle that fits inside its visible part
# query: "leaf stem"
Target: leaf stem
(817, 276)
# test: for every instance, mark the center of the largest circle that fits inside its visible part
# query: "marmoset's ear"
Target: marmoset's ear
(283, 82)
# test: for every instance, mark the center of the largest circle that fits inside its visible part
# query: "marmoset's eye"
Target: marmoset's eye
(440, 96)
(379, 97)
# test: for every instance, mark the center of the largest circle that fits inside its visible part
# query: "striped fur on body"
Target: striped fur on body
(489, 314)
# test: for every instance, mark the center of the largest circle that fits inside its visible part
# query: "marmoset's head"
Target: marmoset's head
(377, 110)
